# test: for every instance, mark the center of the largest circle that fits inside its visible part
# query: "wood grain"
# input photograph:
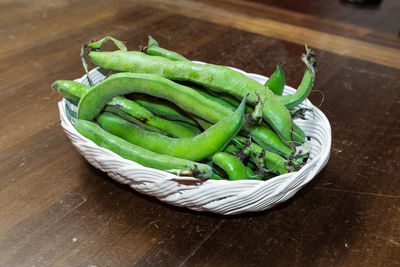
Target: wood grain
(284, 31)
(57, 210)
(337, 26)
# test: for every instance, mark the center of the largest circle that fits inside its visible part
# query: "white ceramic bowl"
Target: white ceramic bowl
(223, 197)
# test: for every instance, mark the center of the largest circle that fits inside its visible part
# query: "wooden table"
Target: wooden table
(57, 210)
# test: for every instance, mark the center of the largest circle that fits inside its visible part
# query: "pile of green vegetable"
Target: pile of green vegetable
(202, 120)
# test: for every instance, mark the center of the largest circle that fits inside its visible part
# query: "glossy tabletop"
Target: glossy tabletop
(57, 210)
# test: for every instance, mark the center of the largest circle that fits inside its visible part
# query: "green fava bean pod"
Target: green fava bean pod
(186, 98)
(144, 118)
(140, 155)
(199, 147)
(218, 78)
(299, 135)
(262, 134)
(215, 176)
(265, 135)
(195, 129)
(306, 84)
(71, 90)
(216, 99)
(125, 108)
(276, 83)
(94, 100)
(233, 167)
(267, 138)
(273, 161)
(162, 108)
(153, 49)
(250, 175)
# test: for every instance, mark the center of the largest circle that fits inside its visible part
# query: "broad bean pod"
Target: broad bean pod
(154, 49)
(199, 147)
(162, 108)
(218, 78)
(140, 155)
(125, 108)
(261, 133)
(306, 84)
(272, 161)
(94, 100)
(276, 82)
(233, 167)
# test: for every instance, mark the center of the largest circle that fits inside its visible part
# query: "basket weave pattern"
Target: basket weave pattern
(218, 196)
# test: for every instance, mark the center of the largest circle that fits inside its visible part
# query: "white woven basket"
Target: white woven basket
(218, 196)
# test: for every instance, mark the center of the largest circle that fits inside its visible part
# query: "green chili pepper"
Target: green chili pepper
(140, 155)
(233, 167)
(212, 140)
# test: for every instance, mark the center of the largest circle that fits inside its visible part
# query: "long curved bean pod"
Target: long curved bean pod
(140, 155)
(306, 84)
(271, 139)
(201, 146)
(71, 90)
(154, 49)
(218, 78)
(161, 108)
(275, 83)
(262, 135)
(94, 100)
(125, 108)
(233, 167)
(195, 129)
(133, 112)
(214, 98)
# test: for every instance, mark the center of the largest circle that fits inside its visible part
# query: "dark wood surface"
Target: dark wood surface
(57, 210)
